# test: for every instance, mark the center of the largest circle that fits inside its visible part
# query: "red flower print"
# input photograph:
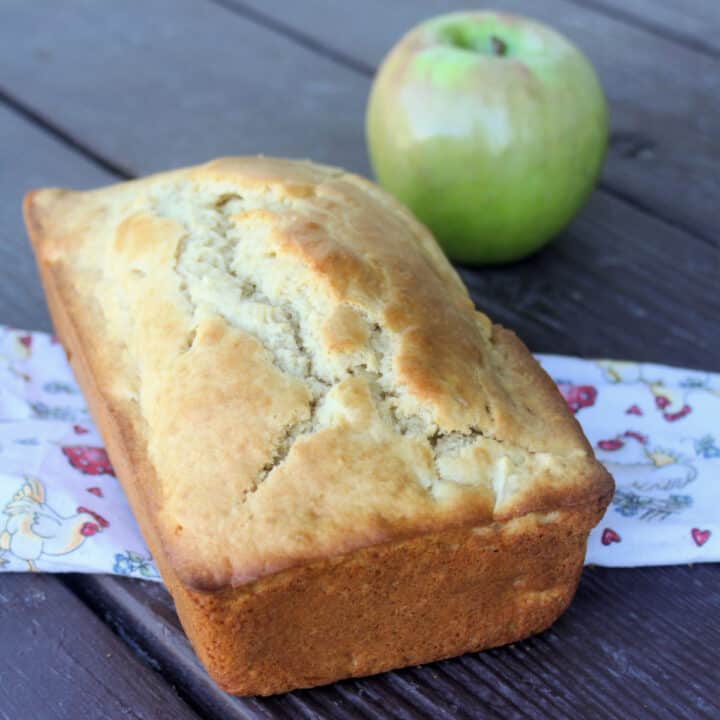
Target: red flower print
(578, 397)
(684, 410)
(610, 536)
(89, 460)
(101, 521)
(614, 444)
(618, 442)
(662, 402)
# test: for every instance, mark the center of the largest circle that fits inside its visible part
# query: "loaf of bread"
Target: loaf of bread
(340, 466)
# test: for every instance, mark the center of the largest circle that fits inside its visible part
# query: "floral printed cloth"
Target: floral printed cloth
(657, 429)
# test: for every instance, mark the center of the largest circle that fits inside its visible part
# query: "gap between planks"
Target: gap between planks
(628, 17)
(297, 36)
(41, 121)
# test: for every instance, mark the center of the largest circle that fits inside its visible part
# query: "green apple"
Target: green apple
(492, 128)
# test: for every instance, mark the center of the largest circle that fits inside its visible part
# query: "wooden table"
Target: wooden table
(93, 92)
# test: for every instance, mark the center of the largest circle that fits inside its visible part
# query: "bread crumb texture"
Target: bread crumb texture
(309, 373)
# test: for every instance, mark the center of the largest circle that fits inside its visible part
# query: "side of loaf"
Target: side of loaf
(339, 465)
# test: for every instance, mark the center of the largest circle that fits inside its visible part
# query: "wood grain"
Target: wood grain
(695, 23)
(664, 105)
(32, 159)
(58, 660)
(190, 82)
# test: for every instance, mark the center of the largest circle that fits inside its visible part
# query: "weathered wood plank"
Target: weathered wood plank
(30, 159)
(57, 660)
(695, 23)
(143, 612)
(638, 643)
(189, 82)
(665, 107)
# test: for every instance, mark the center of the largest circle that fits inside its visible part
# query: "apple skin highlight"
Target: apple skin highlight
(491, 128)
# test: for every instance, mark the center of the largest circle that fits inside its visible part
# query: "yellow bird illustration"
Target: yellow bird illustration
(33, 529)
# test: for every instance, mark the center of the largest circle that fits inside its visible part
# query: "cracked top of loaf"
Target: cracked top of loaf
(301, 370)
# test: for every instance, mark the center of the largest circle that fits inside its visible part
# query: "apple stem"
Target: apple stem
(499, 46)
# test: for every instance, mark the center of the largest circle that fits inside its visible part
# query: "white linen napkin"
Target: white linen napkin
(656, 428)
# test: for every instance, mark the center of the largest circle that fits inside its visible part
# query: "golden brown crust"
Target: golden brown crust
(434, 434)
(390, 606)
